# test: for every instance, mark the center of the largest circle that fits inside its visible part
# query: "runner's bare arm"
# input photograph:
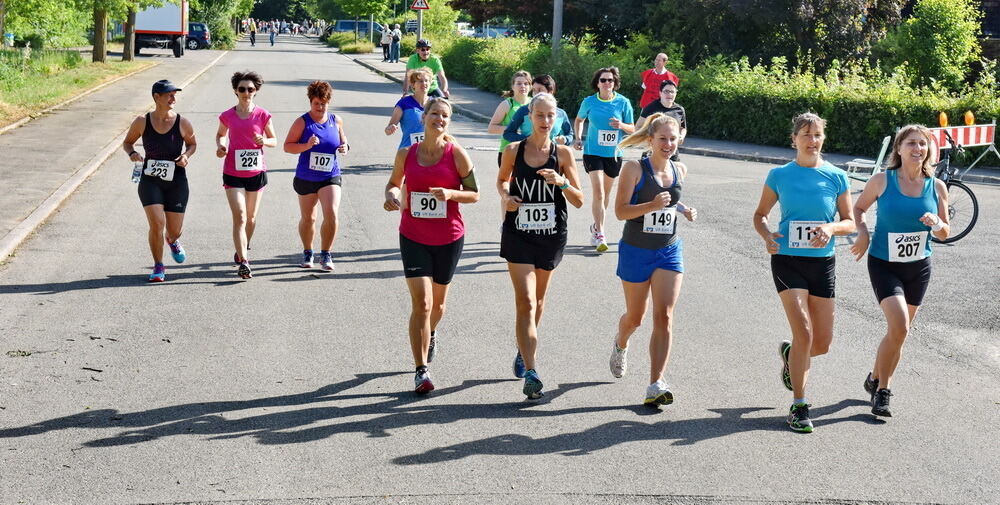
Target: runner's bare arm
(134, 133)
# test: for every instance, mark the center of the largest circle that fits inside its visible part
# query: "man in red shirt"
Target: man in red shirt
(652, 78)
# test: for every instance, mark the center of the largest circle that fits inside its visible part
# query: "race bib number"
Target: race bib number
(321, 162)
(536, 216)
(663, 222)
(425, 206)
(801, 232)
(161, 169)
(607, 138)
(907, 247)
(248, 160)
(416, 137)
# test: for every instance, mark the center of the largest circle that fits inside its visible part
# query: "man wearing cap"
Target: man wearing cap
(167, 142)
(423, 58)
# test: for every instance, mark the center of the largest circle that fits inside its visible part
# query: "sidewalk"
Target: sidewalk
(48, 157)
(479, 105)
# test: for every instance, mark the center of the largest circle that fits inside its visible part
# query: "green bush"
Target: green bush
(361, 47)
(339, 39)
(223, 36)
(15, 70)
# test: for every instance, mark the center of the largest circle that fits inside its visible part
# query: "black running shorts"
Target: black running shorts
(435, 261)
(909, 280)
(172, 195)
(251, 184)
(816, 275)
(610, 166)
(304, 187)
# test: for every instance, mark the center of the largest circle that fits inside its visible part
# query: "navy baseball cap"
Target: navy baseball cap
(164, 86)
(423, 43)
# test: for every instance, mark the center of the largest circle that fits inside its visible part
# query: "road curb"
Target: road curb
(15, 237)
(458, 108)
(29, 117)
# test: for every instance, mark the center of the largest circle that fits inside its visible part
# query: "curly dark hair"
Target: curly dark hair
(609, 70)
(249, 75)
(319, 89)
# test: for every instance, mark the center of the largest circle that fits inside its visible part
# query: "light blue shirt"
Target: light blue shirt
(520, 126)
(602, 139)
(806, 195)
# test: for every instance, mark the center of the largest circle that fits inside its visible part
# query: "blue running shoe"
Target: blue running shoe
(177, 251)
(307, 259)
(532, 385)
(326, 261)
(159, 273)
(519, 368)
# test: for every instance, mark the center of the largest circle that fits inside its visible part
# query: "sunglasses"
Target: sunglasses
(424, 49)
(242, 89)
(602, 79)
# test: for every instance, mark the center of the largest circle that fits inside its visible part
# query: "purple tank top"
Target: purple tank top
(320, 162)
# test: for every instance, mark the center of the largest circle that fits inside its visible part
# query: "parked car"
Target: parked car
(347, 25)
(199, 37)
(493, 32)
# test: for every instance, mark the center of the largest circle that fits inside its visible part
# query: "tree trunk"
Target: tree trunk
(100, 35)
(3, 15)
(128, 54)
(355, 28)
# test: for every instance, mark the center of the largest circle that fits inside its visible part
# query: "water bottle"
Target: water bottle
(136, 171)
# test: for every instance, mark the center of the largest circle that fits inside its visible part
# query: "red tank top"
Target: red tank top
(426, 220)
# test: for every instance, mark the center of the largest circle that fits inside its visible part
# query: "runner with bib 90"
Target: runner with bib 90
(535, 181)
(429, 179)
(650, 258)
(248, 129)
(317, 137)
(163, 186)
(912, 204)
(609, 116)
(812, 193)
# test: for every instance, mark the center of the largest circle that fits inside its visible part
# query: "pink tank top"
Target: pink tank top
(426, 220)
(245, 158)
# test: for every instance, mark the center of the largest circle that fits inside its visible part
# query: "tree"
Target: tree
(51, 22)
(940, 41)
(440, 18)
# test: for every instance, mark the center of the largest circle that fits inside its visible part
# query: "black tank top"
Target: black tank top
(538, 199)
(164, 146)
(645, 191)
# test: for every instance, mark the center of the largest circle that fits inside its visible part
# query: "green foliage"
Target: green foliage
(58, 23)
(217, 15)
(363, 8)
(361, 47)
(339, 39)
(938, 42)
(440, 18)
(15, 70)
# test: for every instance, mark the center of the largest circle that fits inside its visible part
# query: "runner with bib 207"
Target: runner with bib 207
(812, 193)
(609, 116)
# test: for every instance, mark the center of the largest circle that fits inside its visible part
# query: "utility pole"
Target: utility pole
(557, 22)
(420, 24)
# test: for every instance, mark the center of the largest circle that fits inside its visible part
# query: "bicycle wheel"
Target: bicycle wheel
(963, 211)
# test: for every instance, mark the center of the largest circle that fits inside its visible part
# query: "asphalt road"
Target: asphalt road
(294, 387)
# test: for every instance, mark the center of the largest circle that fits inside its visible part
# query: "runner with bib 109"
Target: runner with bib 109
(408, 113)
(650, 258)
(609, 116)
(812, 193)
(535, 181)
(163, 185)
(429, 179)
(912, 204)
(317, 137)
(249, 130)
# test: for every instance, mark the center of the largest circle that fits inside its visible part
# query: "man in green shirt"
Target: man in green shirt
(423, 58)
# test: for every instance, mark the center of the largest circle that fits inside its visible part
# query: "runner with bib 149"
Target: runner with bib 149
(429, 179)
(812, 193)
(609, 117)
(912, 204)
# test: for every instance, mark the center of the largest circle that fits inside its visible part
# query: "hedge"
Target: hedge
(736, 101)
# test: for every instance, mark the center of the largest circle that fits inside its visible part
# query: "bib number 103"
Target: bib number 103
(425, 206)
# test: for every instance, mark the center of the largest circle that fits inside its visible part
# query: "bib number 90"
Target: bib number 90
(425, 206)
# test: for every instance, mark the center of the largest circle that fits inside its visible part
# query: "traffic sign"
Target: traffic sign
(420, 5)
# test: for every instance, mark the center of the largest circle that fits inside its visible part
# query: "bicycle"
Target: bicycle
(963, 207)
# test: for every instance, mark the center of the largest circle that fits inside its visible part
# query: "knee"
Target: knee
(250, 220)
(422, 308)
(897, 335)
(525, 305)
(632, 322)
(819, 347)
(308, 220)
(440, 307)
(663, 318)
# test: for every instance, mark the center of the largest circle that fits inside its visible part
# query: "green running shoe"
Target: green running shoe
(798, 418)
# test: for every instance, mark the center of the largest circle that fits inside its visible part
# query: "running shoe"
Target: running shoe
(159, 273)
(602, 243)
(519, 368)
(786, 376)
(307, 259)
(422, 382)
(619, 360)
(326, 261)
(798, 418)
(532, 385)
(658, 393)
(880, 403)
(177, 251)
(593, 235)
(432, 348)
(871, 385)
(244, 270)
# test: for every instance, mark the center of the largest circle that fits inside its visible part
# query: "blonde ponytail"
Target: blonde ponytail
(652, 124)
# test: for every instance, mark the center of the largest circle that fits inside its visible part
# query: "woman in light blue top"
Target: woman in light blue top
(609, 116)
(812, 194)
(520, 125)
(912, 204)
(409, 110)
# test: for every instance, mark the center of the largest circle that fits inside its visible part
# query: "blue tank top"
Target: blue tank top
(655, 230)
(899, 235)
(319, 163)
(411, 124)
